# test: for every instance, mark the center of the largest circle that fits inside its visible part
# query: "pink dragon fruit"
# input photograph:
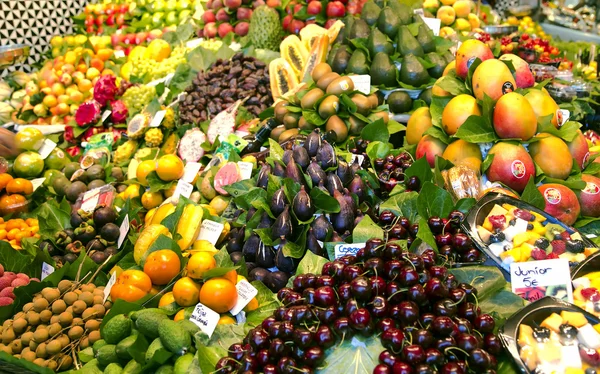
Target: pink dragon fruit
(74, 151)
(88, 113)
(105, 89)
(117, 133)
(91, 132)
(119, 111)
(69, 136)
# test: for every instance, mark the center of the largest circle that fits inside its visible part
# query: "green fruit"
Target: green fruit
(399, 102)
(117, 329)
(113, 368)
(413, 72)
(28, 165)
(155, 346)
(425, 38)
(132, 367)
(189, 326)
(164, 369)
(439, 62)
(60, 184)
(123, 347)
(50, 175)
(265, 30)
(98, 344)
(70, 169)
(174, 337)
(370, 13)
(408, 44)
(57, 159)
(92, 367)
(383, 71)
(148, 323)
(183, 363)
(107, 354)
(172, 18)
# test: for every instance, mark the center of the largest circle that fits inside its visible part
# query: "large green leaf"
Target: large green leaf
(357, 356)
(365, 230)
(403, 204)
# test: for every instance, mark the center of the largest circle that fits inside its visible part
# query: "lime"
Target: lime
(29, 139)
(57, 159)
(28, 165)
(50, 175)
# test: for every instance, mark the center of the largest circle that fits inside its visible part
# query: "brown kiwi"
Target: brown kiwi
(383, 114)
(64, 285)
(92, 324)
(340, 86)
(329, 106)
(19, 325)
(335, 124)
(288, 134)
(311, 97)
(50, 294)
(374, 100)
(326, 79)
(304, 125)
(59, 306)
(41, 336)
(70, 297)
(66, 319)
(290, 120)
(276, 132)
(320, 70)
(356, 125)
(280, 110)
(363, 104)
(45, 315)
(79, 306)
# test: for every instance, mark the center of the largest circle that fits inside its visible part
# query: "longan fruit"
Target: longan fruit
(19, 325)
(40, 304)
(19, 315)
(64, 340)
(64, 285)
(54, 347)
(51, 364)
(41, 350)
(94, 336)
(98, 299)
(41, 336)
(29, 356)
(64, 362)
(6, 348)
(78, 292)
(75, 332)
(92, 325)
(7, 323)
(69, 310)
(41, 327)
(40, 362)
(59, 306)
(26, 338)
(79, 306)
(89, 313)
(108, 304)
(90, 287)
(33, 318)
(87, 297)
(16, 346)
(27, 307)
(66, 319)
(70, 297)
(99, 291)
(100, 309)
(54, 329)
(84, 342)
(77, 322)
(33, 345)
(54, 318)
(45, 315)
(8, 335)
(51, 294)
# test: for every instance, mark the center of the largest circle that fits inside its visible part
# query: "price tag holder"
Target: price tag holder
(347, 249)
(105, 115)
(158, 117)
(109, 285)
(190, 171)
(533, 280)
(163, 97)
(205, 318)
(240, 317)
(434, 24)
(210, 230)
(183, 189)
(246, 292)
(123, 230)
(245, 169)
(47, 269)
(46, 148)
(90, 200)
(119, 53)
(362, 83)
(37, 182)
(562, 116)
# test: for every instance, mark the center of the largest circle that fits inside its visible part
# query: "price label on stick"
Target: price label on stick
(347, 249)
(158, 117)
(246, 292)
(46, 148)
(533, 280)
(434, 24)
(47, 269)
(37, 182)
(119, 53)
(183, 189)
(362, 83)
(90, 200)
(105, 115)
(360, 159)
(190, 171)
(109, 285)
(245, 169)
(123, 230)
(210, 230)
(205, 318)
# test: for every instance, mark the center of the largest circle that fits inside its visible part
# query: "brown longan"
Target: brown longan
(41, 336)
(41, 350)
(6, 348)
(70, 297)
(92, 325)
(19, 325)
(75, 332)
(40, 304)
(26, 338)
(7, 323)
(59, 306)
(79, 306)
(46, 315)
(94, 336)
(84, 342)
(19, 315)
(90, 287)
(51, 294)
(8, 335)
(77, 322)
(69, 310)
(40, 362)
(29, 355)
(54, 347)
(16, 346)
(33, 318)
(64, 362)
(27, 307)
(52, 365)
(99, 291)
(66, 319)
(64, 285)
(89, 313)
(64, 340)
(98, 299)
(54, 329)
(54, 318)
(33, 345)
(87, 297)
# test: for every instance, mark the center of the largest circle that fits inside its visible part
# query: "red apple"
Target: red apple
(128, 50)
(287, 20)
(329, 23)
(130, 39)
(141, 37)
(224, 29)
(314, 7)
(335, 9)
(243, 13)
(90, 20)
(91, 29)
(208, 16)
(120, 20)
(217, 4)
(210, 30)
(233, 4)
(241, 28)
(296, 26)
(110, 20)
(222, 15)
(100, 20)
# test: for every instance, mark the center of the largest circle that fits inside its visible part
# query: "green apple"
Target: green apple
(159, 6)
(184, 14)
(172, 18)
(171, 5)
(157, 19)
(183, 5)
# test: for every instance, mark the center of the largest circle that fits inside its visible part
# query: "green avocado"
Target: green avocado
(378, 42)
(399, 102)
(113, 368)
(413, 72)
(174, 337)
(407, 43)
(439, 62)
(358, 63)
(359, 30)
(341, 59)
(370, 13)
(155, 346)
(348, 23)
(425, 38)
(383, 71)
(388, 22)
(117, 329)
(426, 96)
(164, 369)
(448, 56)
(123, 347)
(404, 12)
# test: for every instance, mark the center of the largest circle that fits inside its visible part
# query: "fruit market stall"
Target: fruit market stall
(316, 187)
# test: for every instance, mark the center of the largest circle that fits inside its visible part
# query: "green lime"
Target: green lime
(57, 159)
(29, 139)
(50, 175)
(28, 165)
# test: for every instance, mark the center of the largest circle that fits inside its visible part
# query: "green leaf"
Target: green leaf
(394, 127)
(86, 355)
(487, 162)
(573, 182)
(438, 103)
(476, 130)
(240, 188)
(20, 365)
(290, 188)
(311, 263)
(223, 259)
(267, 303)
(404, 204)
(53, 218)
(375, 131)
(139, 348)
(425, 234)
(568, 132)
(172, 219)
(217, 272)
(441, 164)
(378, 150)
(323, 201)
(17, 261)
(275, 150)
(593, 168)
(355, 355)
(465, 204)
(434, 201)
(365, 230)
(156, 184)
(487, 279)
(296, 249)
(438, 133)
(532, 195)
(420, 169)
(452, 84)
(501, 304)
(245, 201)
(313, 117)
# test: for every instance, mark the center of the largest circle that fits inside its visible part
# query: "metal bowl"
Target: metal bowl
(500, 30)
(13, 54)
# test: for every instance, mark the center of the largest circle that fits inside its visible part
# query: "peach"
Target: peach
(446, 14)
(492, 78)
(561, 202)
(589, 197)
(579, 149)
(552, 155)
(467, 53)
(457, 111)
(429, 147)
(514, 117)
(511, 165)
(524, 76)
(418, 123)
(474, 20)
(463, 153)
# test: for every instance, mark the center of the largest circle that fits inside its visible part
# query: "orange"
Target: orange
(252, 305)
(104, 54)
(143, 169)
(20, 186)
(152, 199)
(179, 316)
(166, 299)
(226, 320)
(131, 286)
(4, 179)
(97, 63)
(219, 294)
(200, 263)
(162, 266)
(231, 276)
(169, 167)
(186, 291)
(13, 204)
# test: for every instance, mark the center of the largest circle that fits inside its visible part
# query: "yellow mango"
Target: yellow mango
(573, 318)
(525, 336)
(538, 228)
(520, 239)
(553, 322)
(525, 252)
(538, 217)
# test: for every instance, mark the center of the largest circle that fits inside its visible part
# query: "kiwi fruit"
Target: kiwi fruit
(326, 79)
(59, 306)
(311, 97)
(290, 120)
(64, 285)
(41, 336)
(320, 70)
(280, 111)
(383, 115)
(45, 315)
(329, 106)
(304, 125)
(287, 134)
(40, 304)
(363, 105)
(70, 297)
(338, 126)
(340, 85)
(66, 319)
(374, 100)
(19, 325)
(356, 125)
(79, 306)
(75, 332)
(276, 132)
(53, 347)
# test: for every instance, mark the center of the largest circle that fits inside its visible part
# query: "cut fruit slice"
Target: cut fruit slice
(228, 174)
(318, 54)
(282, 77)
(294, 52)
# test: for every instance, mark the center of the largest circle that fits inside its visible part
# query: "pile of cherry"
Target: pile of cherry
(426, 320)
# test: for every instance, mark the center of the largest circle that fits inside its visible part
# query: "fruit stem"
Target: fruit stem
(397, 292)
(457, 349)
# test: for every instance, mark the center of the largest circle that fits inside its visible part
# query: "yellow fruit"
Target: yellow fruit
(226, 320)
(200, 263)
(169, 168)
(146, 239)
(158, 50)
(151, 200)
(186, 292)
(143, 169)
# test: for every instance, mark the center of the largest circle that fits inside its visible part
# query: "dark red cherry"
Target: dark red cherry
(413, 354)
(325, 296)
(374, 266)
(278, 348)
(468, 311)
(303, 338)
(422, 337)
(327, 315)
(440, 272)
(341, 327)
(426, 319)
(269, 369)
(398, 232)
(457, 295)
(324, 337)
(361, 288)
(378, 307)
(388, 358)
(392, 340)
(298, 283)
(463, 325)
(435, 288)
(382, 369)
(392, 251)
(461, 242)
(266, 324)
(424, 369)
(248, 363)
(286, 365)
(385, 324)
(408, 276)
(282, 293)
(493, 345)
(227, 365)
(414, 228)
(344, 292)
(467, 342)
(359, 319)
(378, 284)
(404, 222)
(484, 323)
(443, 343)
(436, 225)
(263, 357)
(314, 355)
(479, 359)
(386, 217)
(451, 368)
(392, 269)
(258, 339)
(402, 368)
(416, 293)
(443, 326)
(434, 357)
(443, 239)
(445, 307)
(408, 313)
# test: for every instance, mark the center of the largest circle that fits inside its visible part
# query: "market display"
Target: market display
(313, 187)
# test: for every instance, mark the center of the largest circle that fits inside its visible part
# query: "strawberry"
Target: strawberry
(591, 294)
(565, 235)
(538, 254)
(558, 246)
(552, 256)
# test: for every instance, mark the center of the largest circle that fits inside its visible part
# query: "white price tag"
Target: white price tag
(105, 115)
(246, 292)
(119, 53)
(562, 116)
(434, 24)
(245, 169)
(47, 269)
(190, 171)
(194, 43)
(320, 243)
(183, 189)
(362, 83)
(109, 285)
(123, 230)
(178, 99)
(168, 78)
(347, 249)
(205, 318)
(158, 117)
(90, 200)
(360, 159)
(210, 230)
(533, 280)
(46, 148)
(37, 182)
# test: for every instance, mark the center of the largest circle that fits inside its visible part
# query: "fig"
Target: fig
(312, 244)
(316, 173)
(265, 221)
(250, 248)
(278, 170)
(278, 202)
(236, 257)
(321, 228)
(265, 257)
(110, 232)
(287, 156)
(334, 183)
(302, 205)
(104, 215)
(293, 172)
(357, 187)
(301, 157)
(285, 263)
(326, 156)
(344, 219)
(344, 172)
(283, 225)
(258, 274)
(350, 200)
(263, 176)
(312, 143)
(276, 280)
